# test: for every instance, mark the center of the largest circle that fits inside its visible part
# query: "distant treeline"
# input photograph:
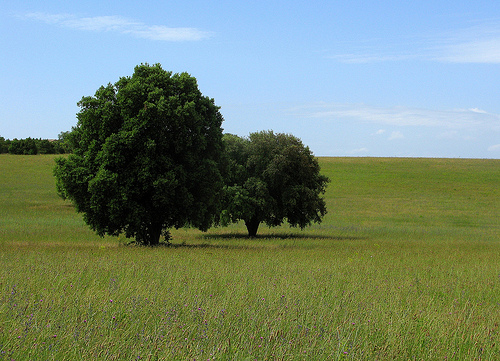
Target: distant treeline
(32, 146)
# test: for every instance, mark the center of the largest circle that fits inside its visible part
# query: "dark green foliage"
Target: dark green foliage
(4, 145)
(146, 156)
(45, 146)
(32, 146)
(26, 146)
(64, 143)
(272, 178)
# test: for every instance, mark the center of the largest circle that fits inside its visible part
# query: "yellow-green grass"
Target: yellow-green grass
(406, 265)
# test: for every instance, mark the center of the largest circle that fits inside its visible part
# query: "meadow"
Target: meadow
(406, 266)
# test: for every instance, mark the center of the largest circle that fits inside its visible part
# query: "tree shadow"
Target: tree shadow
(211, 246)
(282, 236)
(244, 237)
(196, 245)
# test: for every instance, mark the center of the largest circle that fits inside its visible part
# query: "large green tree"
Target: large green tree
(146, 156)
(272, 178)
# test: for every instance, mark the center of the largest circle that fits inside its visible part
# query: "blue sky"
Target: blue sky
(350, 78)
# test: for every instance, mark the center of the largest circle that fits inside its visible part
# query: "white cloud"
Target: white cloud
(449, 134)
(402, 116)
(380, 131)
(47, 18)
(121, 25)
(476, 110)
(359, 150)
(479, 51)
(396, 135)
(476, 44)
(370, 57)
(494, 148)
(100, 23)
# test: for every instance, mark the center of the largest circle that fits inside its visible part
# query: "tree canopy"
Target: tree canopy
(33, 146)
(146, 156)
(272, 178)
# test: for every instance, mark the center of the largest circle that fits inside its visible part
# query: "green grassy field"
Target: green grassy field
(406, 265)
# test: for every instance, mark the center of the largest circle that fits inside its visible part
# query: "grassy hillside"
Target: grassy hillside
(404, 266)
(367, 197)
(427, 197)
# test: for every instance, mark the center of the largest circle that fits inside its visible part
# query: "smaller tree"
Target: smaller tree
(272, 178)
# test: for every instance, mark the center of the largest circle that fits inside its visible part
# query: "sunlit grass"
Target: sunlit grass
(405, 266)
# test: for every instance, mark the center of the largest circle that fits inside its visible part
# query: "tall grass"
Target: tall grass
(405, 266)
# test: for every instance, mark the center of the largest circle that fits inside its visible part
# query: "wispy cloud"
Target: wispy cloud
(402, 116)
(476, 110)
(476, 44)
(370, 57)
(494, 148)
(396, 135)
(121, 25)
(480, 51)
(359, 151)
(449, 134)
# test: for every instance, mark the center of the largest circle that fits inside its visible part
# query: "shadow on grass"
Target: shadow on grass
(241, 237)
(282, 236)
(211, 246)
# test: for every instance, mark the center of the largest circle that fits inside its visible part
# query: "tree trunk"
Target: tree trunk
(252, 226)
(154, 236)
(149, 236)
